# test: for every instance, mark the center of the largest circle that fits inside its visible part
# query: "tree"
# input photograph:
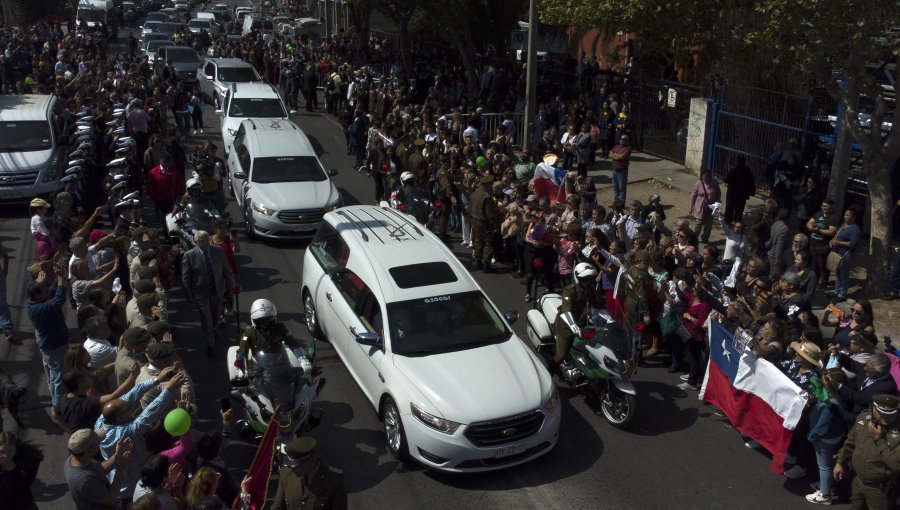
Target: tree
(401, 13)
(834, 41)
(361, 16)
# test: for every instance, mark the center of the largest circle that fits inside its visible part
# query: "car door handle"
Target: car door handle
(353, 330)
(328, 296)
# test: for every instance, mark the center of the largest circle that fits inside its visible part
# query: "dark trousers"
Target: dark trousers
(895, 273)
(734, 211)
(697, 368)
(481, 242)
(872, 497)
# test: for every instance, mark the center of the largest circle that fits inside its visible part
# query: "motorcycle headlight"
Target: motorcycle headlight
(262, 209)
(439, 424)
(552, 401)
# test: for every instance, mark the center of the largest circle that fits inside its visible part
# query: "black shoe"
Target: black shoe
(210, 352)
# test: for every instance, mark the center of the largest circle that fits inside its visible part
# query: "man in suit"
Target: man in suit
(306, 482)
(872, 378)
(206, 276)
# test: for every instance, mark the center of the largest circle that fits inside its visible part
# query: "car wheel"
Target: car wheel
(393, 431)
(311, 318)
(248, 222)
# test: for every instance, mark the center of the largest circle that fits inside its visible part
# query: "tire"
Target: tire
(248, 222)
(311, 318)
(617, 407)
(395, 435)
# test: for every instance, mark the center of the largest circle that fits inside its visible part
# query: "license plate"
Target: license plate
(306, 227)
(506, 451)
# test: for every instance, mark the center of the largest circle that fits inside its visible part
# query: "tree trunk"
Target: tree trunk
(882, 207)
(405, 47)
(362, 18)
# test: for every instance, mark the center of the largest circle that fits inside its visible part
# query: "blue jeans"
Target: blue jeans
(455, 213)
(895, 274)
(825, 460)
(53, 360)
(842, 277)
(183, 122)
(620, 181)
(6, 324)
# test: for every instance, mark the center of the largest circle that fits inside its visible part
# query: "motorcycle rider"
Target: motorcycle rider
(265, 334)
(413, 198)
(574, 310)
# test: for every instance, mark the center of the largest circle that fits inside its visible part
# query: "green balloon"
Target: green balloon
(481, 161)
(177, 422)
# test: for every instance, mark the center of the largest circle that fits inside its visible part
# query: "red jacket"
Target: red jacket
(168, 185)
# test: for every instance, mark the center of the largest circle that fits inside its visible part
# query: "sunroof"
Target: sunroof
(421, 275)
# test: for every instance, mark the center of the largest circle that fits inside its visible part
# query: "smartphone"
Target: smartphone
(225, 403)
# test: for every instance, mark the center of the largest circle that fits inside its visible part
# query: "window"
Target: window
(351, 286)
(370, 313)
(420, 275)
(243, 157)
(20, 136)
(237, 74)
(182, 55)
(210, 70)
(329, 250)
(256, 107)
(287, 169)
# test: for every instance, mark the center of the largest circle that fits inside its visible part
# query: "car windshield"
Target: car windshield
(182, 55)
(237, 74)
(152, 25)
(444, 323)
(22, 136)
(156, 16)
(200, 23)
(153, 46)
(256, 107)
(265, 24)
(167, 28)
(287, 169)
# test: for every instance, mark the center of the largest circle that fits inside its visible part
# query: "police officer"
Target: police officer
(484, 215)
(305, 482)
(574, 310)
(266, 334)
(871, 448)
(447, 195)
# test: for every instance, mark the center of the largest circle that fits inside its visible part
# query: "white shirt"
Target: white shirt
(101, 351)
(92, 267)
(735, 244)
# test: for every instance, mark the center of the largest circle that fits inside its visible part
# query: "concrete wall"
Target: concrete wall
(699, 134)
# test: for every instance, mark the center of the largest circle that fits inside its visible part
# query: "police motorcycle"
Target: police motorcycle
(411, 199)
(602, 358)
(199, 213)
(262, 382)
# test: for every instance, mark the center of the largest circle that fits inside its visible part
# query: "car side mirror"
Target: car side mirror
(369, 339)
(240, 174)
(511, 316)
(332, 172)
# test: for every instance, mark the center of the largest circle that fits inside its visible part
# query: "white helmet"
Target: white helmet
(193, 182)
(262, 308)
(406, 177)
(584, 271)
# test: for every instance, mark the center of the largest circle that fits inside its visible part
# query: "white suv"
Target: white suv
(457, 390)
(246, 100)
(278, 181)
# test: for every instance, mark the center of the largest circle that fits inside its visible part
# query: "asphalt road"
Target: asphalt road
(678, 454)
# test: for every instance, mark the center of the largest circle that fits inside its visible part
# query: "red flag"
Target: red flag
(261, 468)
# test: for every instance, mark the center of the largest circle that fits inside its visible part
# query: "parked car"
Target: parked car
(184, 63)
(152, 47)
(455, 387)
(278, 180)
(216, 75)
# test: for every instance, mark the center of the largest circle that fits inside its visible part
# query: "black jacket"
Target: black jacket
(858, 398)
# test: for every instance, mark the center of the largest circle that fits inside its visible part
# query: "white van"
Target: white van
(258, 23)
(32, 147)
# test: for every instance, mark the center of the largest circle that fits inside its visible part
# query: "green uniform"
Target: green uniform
(640, 297)
(485, 217)
(875, 462)
(575, 299)
(321, 489)
(255, 340)
(446, 191)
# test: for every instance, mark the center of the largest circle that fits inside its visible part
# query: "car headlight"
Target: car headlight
(552, 402)
(334, 202)
(262, 209)
(52, 171)
(439, 424)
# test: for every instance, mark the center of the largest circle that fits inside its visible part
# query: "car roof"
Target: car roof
(228, 62)
(24, 107)
(271, 136)
(391, 239)
(254, 90)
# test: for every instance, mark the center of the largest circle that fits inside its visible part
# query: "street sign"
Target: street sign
(673, 97)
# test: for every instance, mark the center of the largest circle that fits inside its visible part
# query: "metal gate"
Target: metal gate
(660, 110)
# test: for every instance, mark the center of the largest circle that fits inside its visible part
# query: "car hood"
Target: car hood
(479, 384)
(184, 66)
(286, 196)
(20, 161)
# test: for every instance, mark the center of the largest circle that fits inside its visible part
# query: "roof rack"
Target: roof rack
(252, 124)
(356, 223)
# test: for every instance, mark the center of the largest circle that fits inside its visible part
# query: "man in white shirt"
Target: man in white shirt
(97, 343)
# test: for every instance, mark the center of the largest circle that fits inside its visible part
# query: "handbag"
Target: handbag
(683, 334)
(833, 262)
(670, 323)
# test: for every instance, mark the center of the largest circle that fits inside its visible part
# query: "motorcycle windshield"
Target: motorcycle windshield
(279, 384)
(615, 337)
(201, 216)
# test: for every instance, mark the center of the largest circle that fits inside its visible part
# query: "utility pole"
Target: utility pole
(531, 77)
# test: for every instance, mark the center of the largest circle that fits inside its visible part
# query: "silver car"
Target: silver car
(152, 46)
(216, 75)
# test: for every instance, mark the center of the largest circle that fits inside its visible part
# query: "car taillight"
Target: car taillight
(589, 334)
(438, 204)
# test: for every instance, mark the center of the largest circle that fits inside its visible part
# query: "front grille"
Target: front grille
(505, 430)
(27, 178)
(301, 216)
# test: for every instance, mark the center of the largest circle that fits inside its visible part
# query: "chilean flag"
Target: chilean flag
(549, 181)
(759, 400)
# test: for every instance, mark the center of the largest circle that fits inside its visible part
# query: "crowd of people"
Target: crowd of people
(425, 137)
